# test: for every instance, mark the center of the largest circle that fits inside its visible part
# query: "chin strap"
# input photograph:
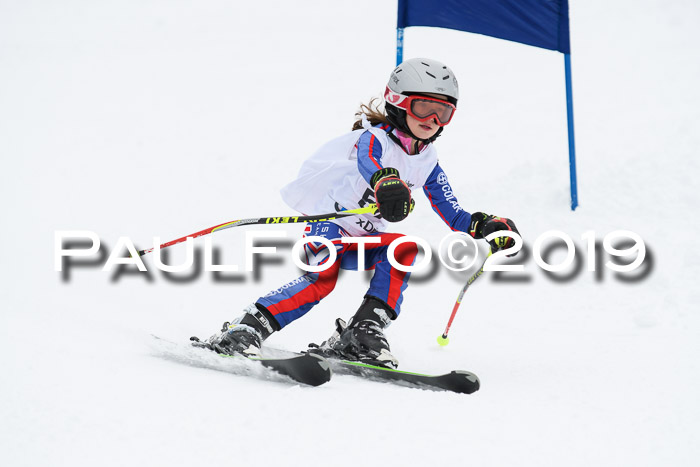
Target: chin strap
(434, 137)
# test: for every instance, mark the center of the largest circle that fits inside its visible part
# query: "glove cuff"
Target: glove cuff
(383, 173)
(476, 224)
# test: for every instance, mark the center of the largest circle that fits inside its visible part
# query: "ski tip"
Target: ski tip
(322, 362)
(465, 382)
(309, 369)
(317, 378)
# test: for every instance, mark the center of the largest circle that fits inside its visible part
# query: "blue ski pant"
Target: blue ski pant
(294, 299)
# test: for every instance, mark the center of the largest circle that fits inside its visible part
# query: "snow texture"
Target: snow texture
(158, 118)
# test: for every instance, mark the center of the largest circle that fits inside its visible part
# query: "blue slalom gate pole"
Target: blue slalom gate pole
(570, 120)
(399, 46)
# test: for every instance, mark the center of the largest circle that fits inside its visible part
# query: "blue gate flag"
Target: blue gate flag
(542, 23)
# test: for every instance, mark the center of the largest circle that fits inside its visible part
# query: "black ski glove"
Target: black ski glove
(483, 225)
(392, 194)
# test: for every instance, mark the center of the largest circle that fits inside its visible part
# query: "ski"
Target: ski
(458, 381)
(301, 368)
(308, 369)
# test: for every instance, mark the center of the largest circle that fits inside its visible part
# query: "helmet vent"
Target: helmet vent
(423, 76)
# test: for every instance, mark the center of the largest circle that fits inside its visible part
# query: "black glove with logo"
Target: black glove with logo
(483, 225)
(392, 194)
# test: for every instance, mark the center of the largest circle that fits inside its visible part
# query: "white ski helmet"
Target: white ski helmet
(420, 76)
(424, 76)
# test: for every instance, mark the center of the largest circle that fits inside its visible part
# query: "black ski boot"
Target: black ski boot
(244, 336)
(362, 339)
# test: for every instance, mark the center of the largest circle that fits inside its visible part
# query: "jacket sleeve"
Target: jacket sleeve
(369, 155)
(439, 192)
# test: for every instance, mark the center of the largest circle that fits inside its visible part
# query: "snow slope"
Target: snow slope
(157, 118)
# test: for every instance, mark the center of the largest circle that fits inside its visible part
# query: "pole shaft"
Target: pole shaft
(399, 46)
(369, 209)
(461, 294)
(570, 124)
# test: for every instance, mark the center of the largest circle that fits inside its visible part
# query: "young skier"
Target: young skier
(384, 159)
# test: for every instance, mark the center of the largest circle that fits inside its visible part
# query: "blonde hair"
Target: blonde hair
(374, 112)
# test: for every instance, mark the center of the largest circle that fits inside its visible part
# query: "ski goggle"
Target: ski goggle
(422, 108)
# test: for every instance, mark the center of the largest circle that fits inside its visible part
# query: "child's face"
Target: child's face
(422, 130)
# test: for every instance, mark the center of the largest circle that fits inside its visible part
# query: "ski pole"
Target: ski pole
(443, 340)
(369, 209)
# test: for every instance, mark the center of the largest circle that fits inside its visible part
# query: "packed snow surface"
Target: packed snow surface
(141, 119)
